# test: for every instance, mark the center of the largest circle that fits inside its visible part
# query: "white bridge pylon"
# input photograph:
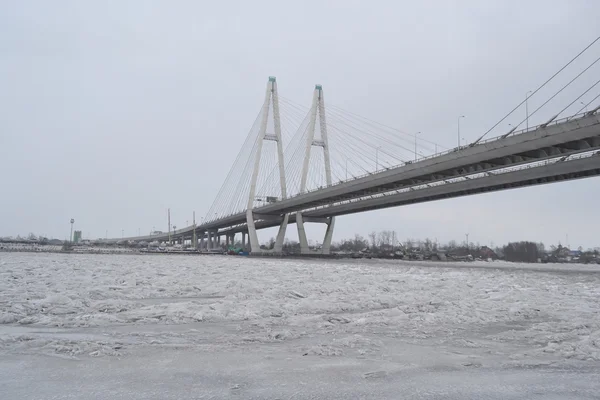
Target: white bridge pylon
(271, 97)
(317, 109)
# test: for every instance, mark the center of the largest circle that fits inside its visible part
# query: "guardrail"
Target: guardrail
(475, 176)
(453, 150)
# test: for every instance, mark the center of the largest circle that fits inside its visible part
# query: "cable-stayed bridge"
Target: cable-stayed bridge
(336, 163)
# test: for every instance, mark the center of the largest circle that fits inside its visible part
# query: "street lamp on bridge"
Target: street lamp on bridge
(462, 116)
(71, 235)
(416, 145)
(527, 108)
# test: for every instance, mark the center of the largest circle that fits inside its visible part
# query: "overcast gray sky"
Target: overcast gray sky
(113, 111)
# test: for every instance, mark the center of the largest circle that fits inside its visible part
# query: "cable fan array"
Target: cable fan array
(233, 195)
(575, 93)
(359, 146)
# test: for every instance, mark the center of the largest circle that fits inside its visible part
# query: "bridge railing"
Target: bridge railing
(477, 175)
(453, 150)
(533, 128)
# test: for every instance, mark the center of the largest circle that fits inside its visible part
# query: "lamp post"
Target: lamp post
(416, 145)
(71, 235)
(527, 108)
(585, 105)
(462, 116)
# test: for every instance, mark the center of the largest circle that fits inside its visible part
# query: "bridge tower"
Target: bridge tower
(271, 98)
(318, 108)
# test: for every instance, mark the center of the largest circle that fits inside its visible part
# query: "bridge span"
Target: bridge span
(555, 151)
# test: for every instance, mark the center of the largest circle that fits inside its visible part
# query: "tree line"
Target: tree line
(387, 241)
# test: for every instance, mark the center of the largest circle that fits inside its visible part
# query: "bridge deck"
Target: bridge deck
(436, 177)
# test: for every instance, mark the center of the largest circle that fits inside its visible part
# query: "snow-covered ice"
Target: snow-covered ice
(142, 326)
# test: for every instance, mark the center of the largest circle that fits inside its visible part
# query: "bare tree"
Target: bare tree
(385, 239)
(428, 244)
(359, 243)
(373, 237)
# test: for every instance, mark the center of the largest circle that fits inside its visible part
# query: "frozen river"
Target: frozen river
(203, 327)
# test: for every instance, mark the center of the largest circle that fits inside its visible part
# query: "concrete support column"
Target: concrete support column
(281, 235)
(208, 240)
(201, 240)
(252, 236)
(328, 236)
(244, 240)
(302, 234)
(330, 222)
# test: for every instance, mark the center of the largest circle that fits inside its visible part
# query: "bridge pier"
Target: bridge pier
(326, 246)
(230, 238)
(302, 234)
(281, 235)
(209, 240)
(244, 240)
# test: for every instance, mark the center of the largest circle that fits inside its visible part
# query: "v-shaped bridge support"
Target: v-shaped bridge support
(317, 109)
(271, 97)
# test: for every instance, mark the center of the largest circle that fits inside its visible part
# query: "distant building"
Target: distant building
(76, 236)
(485, 253)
